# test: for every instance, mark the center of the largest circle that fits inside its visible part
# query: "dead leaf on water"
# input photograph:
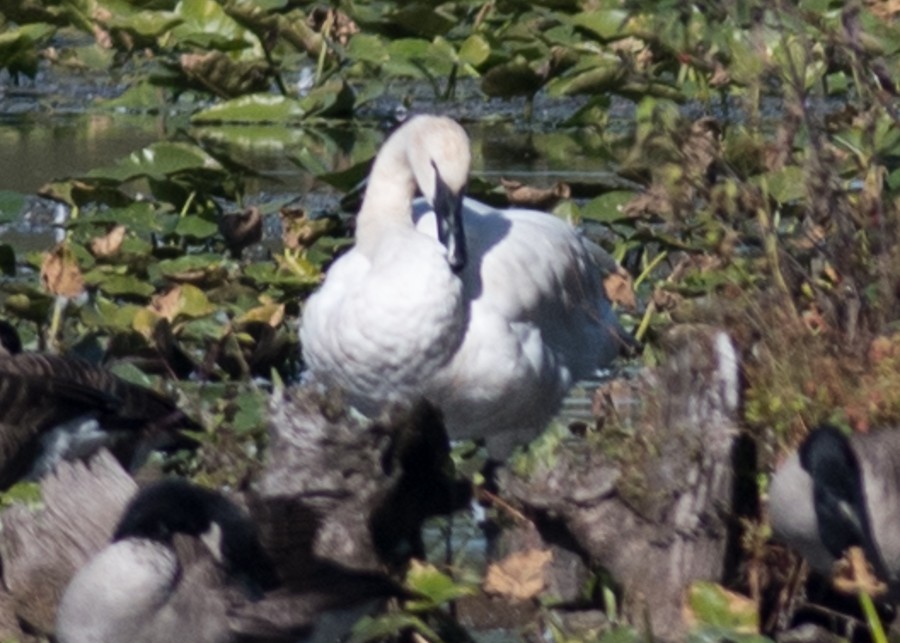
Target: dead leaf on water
(531, 197)
(109, 244)
(299, 231)
(60, 273)
(168, 304)
(519, 576)
(619, 289)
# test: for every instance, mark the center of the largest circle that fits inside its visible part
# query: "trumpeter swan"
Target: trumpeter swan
(489, 314)
(838, 492)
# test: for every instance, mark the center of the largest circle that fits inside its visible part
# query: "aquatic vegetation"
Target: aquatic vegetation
(745, 169)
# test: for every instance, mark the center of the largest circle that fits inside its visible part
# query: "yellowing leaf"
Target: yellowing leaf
(60, 273)
(109, 244)
(519, 576)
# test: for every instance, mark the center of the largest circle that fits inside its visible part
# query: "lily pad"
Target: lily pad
(255, 108)
(159, 160)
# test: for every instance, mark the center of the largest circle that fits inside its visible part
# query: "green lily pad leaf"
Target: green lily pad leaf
(368, 49)
(417, 58)
(474, 50)
(784, 185)
(194, 268)
(346, 180)
(11, 205)
(116, 284)
(140, 217)
(142, 97)
(23, 493)
(607, 207)
(593, 75)
(203, 330)
(423, 18)
(607, 24)
(334, 98)
(513, 78)
(712, 604)
(158, 161)
(196, 226)
(109, 315)
(389, 625)
(136, 246)
(29, 304)
(131, 373)
(255, 108)
(207, 25)
(7, 259)
(19, 47)
(435, 587)
(252, 411)
(147, 24)
(304, 276)
(184, 300)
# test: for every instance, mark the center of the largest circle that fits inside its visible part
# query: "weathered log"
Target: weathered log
(650, 499)
(42, 549)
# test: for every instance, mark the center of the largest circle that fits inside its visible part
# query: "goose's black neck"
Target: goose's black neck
(172, 506)
(839, 494)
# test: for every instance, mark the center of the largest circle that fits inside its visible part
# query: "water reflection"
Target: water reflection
(36, 150)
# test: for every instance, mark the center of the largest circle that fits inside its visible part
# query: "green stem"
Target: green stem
(875, 626)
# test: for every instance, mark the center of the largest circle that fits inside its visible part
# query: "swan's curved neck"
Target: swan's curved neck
(389, 193)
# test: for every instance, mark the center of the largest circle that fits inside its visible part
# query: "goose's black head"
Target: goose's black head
(838, 493)
(10, 342)
(172, 506)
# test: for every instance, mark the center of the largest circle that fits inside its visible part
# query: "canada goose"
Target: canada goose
(489, 314)
(838, 492)
(55, 406)
(143, 587)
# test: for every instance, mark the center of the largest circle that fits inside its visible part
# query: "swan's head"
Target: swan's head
(172, 506)
(440, 157)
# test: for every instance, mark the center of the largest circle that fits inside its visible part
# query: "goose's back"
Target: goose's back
(382, 324)
(879, 457)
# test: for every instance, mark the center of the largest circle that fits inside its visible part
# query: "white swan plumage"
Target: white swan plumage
(489, 314)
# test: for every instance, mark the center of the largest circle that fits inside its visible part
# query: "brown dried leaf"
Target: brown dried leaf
(854, 574)
(340, 25)
(241, 229)
(269, 313)
(519, 576)
(529, 196)
(167, 304)
(60, 273)
(109, 244)
(299, 231)
(619, 289)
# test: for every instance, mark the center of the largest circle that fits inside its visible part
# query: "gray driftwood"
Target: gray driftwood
(41, 549)
(651, 501)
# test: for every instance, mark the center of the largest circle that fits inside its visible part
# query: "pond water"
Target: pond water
(36, 150)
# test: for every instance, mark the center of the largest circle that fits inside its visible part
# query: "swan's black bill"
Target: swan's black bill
(448, 207)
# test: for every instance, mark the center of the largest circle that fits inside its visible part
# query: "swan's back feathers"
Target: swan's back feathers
(539, 321)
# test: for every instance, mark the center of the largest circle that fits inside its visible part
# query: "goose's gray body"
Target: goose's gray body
(489, 314)
(858, 487)
(179, 558)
